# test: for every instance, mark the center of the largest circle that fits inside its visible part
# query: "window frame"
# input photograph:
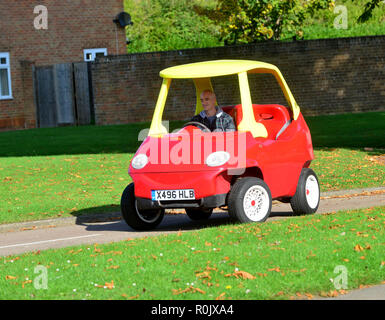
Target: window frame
(6, 66)
(93, 52)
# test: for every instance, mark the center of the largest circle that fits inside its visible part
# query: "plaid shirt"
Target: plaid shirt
(223, 121)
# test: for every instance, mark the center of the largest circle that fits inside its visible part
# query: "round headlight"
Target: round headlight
(217, 158)
(139, 161)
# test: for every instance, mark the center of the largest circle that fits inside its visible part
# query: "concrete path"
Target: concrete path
(370, 293)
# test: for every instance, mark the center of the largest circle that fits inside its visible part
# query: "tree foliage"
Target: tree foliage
(368, 10)
(168, 25)
(248, 21)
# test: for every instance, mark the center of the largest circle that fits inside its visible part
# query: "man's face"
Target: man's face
(208, 100)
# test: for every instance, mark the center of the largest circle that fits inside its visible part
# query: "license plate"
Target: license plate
(184, 194)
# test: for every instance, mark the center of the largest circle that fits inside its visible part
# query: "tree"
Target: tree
(369, 7)
(168, 25)
(248, 21)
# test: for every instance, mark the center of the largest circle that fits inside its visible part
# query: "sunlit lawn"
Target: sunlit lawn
(298, 257)
(61, 172)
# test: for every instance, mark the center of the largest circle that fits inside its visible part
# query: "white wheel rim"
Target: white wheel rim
(256, 203)
(312, 191)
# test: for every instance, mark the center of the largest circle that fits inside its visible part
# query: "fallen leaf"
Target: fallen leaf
(221, 296)
(332, 293)
(25, 282)
(110, 285)
(309, 296)
(189, 289)
(10, 277)
(240, 274)
(203, 275)
(358, 248)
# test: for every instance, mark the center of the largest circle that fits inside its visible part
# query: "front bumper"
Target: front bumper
(206, 202)
(204, 183)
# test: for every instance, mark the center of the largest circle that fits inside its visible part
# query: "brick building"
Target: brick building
(46, 32)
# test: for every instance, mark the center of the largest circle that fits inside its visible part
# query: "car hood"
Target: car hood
(187, 150)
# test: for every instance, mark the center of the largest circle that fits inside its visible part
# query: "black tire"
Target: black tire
(306, 199)
(138, 220)
(257, 192)
(198, 213)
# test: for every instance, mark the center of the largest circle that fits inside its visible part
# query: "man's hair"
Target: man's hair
(208, 90)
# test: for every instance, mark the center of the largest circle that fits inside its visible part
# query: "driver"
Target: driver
(213, 116)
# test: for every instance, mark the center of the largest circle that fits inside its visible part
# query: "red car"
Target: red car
(266, 158)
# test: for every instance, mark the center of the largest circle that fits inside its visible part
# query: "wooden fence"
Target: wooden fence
(63, 94)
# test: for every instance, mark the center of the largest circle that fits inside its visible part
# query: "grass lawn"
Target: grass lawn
(298, 257)
(60, 172)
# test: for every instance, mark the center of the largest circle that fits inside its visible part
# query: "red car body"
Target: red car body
(275, 167)
(279, 161)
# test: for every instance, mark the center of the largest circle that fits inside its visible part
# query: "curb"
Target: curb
(104, 217)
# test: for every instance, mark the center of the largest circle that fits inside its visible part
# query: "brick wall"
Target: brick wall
(326, 77)
(72, 26)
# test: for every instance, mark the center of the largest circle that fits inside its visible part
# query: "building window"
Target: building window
(5, 76)
(92, 54)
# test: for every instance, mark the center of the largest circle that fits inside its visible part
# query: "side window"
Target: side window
(91, 54)
(5, 76)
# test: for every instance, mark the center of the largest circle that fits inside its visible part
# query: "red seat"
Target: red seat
(272, 116)
(232, 111)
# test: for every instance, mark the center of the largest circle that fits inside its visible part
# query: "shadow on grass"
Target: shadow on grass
(75, 140)
(352, 131)
(368, 150)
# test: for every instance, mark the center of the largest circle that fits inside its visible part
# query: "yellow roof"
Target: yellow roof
(213, 68)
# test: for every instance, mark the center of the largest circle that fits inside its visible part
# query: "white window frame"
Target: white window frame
(6, 66)
(93, 53)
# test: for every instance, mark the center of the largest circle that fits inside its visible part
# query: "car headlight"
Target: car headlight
(139, 161)
(217, 158)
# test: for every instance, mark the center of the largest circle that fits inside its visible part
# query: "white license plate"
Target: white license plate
(184, 194)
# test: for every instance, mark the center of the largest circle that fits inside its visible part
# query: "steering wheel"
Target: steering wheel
(197, 124)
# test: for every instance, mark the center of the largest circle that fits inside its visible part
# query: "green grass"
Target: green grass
(42, 187)
(350, 130)
(294, 257)
(340, 169)
(322, 25)
(61, 172)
